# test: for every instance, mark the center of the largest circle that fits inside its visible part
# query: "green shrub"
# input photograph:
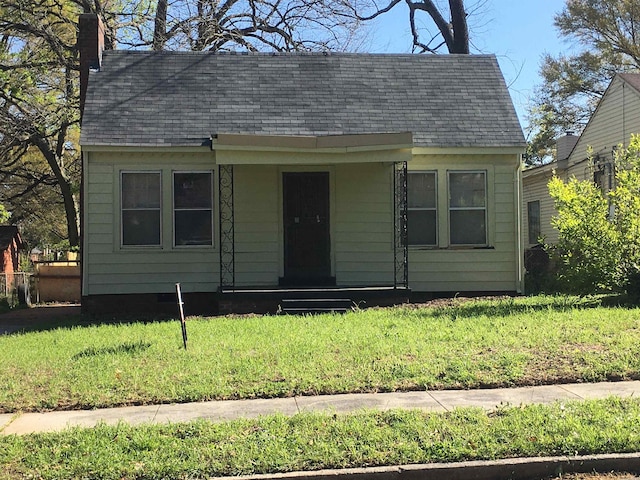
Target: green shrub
(587, 255)
(599, 234)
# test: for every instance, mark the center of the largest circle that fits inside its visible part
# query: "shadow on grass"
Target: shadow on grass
(128, 348)
(456, 307)
(41, 319)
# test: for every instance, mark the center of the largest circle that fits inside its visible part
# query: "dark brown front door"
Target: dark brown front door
(307, 250)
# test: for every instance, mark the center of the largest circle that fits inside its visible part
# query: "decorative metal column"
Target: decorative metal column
(227, 222)
(400, 243)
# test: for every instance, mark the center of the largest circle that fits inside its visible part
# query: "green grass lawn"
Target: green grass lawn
(522, 341)
(201, 449)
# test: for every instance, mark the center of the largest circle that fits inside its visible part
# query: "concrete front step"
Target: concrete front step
(310, 306)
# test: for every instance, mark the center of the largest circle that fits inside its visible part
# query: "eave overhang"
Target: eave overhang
(508, 150)
(312, 143)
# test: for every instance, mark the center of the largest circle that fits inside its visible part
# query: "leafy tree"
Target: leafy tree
(39, 65)
(599, 236)
(625, 199)
(39, 74)
(4, 214)
(38, 101)
(30, 192)
(572, 85)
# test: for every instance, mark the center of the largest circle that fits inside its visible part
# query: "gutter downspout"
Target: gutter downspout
(84, 283)
(517, 185)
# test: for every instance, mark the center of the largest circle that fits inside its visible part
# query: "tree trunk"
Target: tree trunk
(459, 27)
(70, 209)
(160, 26)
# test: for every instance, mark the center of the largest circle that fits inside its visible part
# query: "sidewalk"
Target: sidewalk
(436, 400)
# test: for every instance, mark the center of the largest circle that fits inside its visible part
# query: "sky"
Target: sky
(518, 32)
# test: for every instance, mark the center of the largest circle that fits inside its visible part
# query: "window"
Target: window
(533, 221)
(599, 178)
(421, 213)
(192, 208)
(467, 208)
(140, 205)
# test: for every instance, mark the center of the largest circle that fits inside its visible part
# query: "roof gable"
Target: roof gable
(615, 118)
(183, 98)
(7, 234)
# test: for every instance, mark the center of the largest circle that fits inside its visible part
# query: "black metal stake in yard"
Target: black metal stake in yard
(184, 324)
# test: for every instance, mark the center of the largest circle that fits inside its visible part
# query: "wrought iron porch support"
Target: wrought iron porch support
(400, 242)
(226, 226)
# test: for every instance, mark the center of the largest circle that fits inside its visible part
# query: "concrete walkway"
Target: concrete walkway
(436, 400)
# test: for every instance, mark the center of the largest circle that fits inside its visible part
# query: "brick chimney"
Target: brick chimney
(90, 47)
(564, 147)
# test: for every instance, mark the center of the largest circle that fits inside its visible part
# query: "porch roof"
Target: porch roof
(335, 148)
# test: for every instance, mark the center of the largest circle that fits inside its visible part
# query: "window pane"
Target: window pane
(421, 225)
(192, 204)
(193, 227)
(421, 189)
(533, 216)
(141, 190)
(468, 227)
(141, 227)
(467, 189)
(192, 190)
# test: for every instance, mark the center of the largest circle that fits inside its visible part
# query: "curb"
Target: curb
(534, 468)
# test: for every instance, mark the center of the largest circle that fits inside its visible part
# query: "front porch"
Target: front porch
(329, 217)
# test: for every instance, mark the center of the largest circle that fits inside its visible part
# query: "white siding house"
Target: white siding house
(248, 178)
(587, 157)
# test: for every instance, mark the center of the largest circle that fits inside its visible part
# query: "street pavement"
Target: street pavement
(218, 411)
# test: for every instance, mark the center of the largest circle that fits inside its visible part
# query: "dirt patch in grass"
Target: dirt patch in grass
(559, 366)
(455, 301)
(597, 476)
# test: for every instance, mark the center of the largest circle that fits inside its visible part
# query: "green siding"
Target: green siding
(111, 269)
(363, 228)
(362, 237)
(454, 269)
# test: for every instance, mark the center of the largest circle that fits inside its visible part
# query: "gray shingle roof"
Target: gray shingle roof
(182, 98)
(632, 79)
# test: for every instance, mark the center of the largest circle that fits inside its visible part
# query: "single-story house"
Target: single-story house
(615, 119)
(251, 177)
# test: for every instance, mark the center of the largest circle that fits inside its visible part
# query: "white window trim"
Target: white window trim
(173, 210)
(122, 209)
(430, 209)
(485, 208)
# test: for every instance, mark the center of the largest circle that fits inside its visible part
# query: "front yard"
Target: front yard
(507, 342)
(522, 341)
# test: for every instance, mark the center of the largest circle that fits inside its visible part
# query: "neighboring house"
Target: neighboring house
(10, 246)
(538, 206)
(249, 177)
(616, 118)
